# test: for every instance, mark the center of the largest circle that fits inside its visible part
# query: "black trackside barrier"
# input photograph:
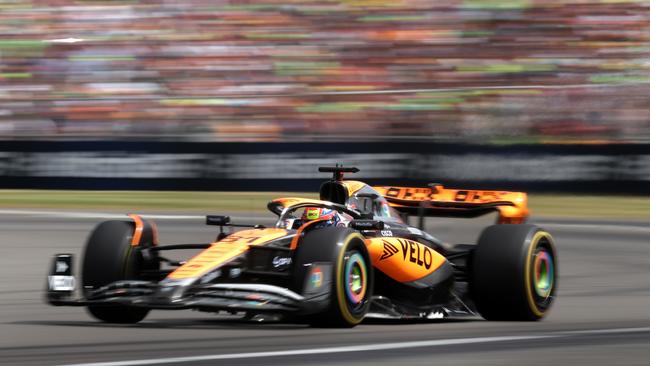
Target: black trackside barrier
(289, 166)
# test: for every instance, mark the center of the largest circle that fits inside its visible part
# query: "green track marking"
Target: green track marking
(555, 205)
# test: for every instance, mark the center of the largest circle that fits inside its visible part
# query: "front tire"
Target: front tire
(110, 257)
(514, 273)
(351, 276)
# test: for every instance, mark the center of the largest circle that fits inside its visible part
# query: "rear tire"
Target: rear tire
(110, 257)
(351, 276)
(514, 273)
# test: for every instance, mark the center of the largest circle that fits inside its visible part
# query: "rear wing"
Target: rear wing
(436, 200)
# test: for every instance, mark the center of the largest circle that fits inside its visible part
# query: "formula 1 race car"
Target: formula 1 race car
(328, 262)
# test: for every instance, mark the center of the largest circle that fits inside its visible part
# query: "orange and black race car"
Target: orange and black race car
(333, 261)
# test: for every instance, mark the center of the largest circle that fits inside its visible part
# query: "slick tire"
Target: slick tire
(350, 279)
(109, 257)
(514, 273)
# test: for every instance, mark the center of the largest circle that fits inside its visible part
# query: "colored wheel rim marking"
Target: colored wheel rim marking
(534, 304)
(544, 274)
(356, 279)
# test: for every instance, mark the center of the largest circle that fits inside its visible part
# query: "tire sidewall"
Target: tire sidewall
(109, 256)
(538, 238)
(332, 246)
(501, 284)
(351, 313)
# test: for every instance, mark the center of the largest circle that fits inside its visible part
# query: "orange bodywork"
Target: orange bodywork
(512, 206)
(403, 260)
(353, 186)
(225, 250)
(290, 201)
(139, 229)
(137, 233)
(280, 204)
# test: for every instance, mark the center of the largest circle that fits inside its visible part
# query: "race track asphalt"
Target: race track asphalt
(601, 317)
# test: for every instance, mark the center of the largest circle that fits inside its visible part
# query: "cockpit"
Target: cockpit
(368, 201)
(323, 215)
(348, 200)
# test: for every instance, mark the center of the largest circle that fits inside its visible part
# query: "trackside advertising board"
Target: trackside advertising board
(137, 165)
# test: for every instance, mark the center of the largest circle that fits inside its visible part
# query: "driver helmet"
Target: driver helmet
(319, 213)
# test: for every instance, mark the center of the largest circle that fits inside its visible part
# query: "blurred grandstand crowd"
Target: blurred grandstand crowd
(268, 70)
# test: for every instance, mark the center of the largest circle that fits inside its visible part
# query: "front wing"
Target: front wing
(215, 297)
(182, 294)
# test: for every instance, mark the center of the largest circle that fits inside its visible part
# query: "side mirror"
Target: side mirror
(367, 225)
(217, 220)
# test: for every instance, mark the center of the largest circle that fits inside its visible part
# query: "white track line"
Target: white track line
(363, 348)
(106, 215)
(87, 215)
(639, 227)
(313, 351)
(636, 227)
(608, 331)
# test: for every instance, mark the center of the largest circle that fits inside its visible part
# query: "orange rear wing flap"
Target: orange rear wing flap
(436, 200)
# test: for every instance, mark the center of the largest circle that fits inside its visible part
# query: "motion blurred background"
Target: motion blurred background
(523, 93)
(179, 108)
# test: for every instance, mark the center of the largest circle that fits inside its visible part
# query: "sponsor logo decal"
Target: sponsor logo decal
(235, 272)
(316, 277)
(256, 300)
(428, 194)
(281, 263)
(61, 267)
(386, 233)
(416, 253)
(312, 213)
(61, 283)
(233, 238)
(389, 250)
